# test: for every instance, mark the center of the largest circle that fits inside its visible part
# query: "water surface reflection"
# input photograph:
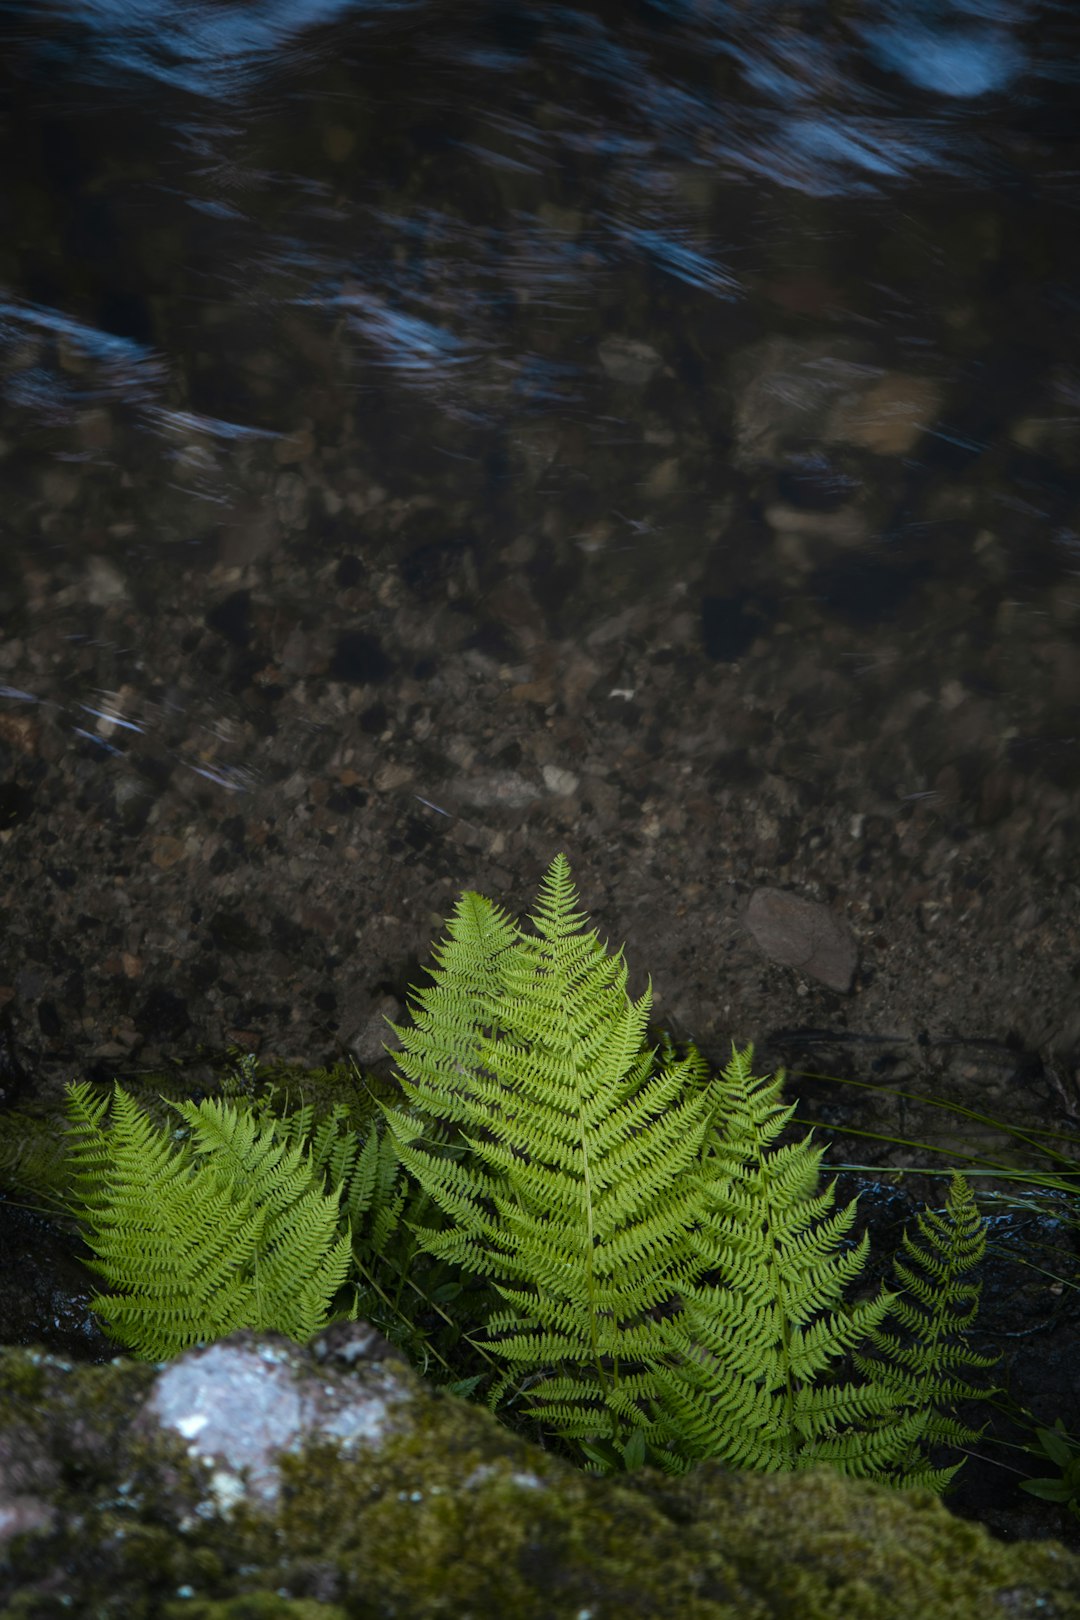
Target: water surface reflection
(647, 427)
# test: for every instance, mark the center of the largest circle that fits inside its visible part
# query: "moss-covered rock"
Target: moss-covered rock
(253, 1480)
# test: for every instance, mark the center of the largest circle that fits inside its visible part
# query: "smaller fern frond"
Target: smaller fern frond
(332, 1145)
(228, 1227)
(87, 1141)
(296, 1269)
(753, 1354)
(920, 1357)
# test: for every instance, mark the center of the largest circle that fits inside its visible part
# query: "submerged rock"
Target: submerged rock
(803, 934)
(256, 1480)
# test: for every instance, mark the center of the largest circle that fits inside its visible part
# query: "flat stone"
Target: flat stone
(628, 360)
(890, 416)
(561, 783)
(803, 934)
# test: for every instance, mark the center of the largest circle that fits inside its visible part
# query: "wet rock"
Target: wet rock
(240, 1407)
(803, 934)
(44, 1290)
(784, 389)
(889, 416)
(814, 392)
(488, 788)
(368, 1044)
(291, 501)
(628, 360)
(105, 584)
(254, 1476)
(559, 781)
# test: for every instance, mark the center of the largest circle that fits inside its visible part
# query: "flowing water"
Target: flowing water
(417, 418)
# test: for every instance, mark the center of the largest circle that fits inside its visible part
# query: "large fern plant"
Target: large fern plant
(672, 1280)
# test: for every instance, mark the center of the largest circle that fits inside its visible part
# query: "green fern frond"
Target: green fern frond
(34, 1162)
(364, 1166)
(758, 1343)
(919, 1360)
(460, 1011)
(228, 1227)
(301, 1260)
(338, 1122)
(576, 1198)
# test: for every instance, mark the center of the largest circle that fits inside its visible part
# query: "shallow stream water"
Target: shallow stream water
(435, 435)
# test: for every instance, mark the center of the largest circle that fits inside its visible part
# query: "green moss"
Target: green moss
(257, 1606)
(443, 1524)
(822, 1546)
(459, 1519)
(455, 1517)
(23, 1382)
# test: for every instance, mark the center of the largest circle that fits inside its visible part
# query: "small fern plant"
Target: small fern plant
(671, 1280)
(229, 1226)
